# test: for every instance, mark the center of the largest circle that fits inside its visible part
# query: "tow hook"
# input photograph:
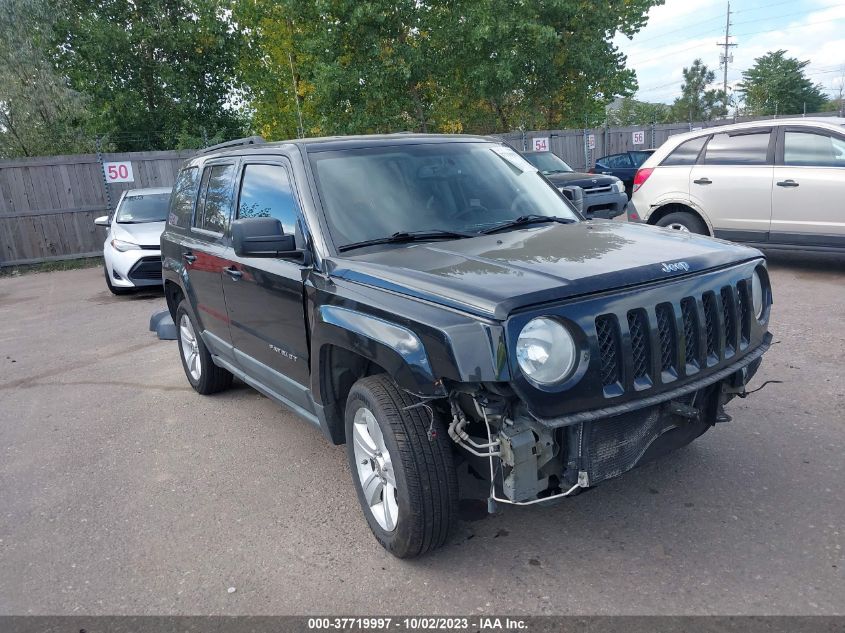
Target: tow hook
(683, 410)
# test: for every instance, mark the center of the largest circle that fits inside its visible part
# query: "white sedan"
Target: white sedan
(131, 252)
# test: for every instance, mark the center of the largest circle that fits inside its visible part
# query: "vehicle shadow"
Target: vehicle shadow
(825, 264)
(104, 297)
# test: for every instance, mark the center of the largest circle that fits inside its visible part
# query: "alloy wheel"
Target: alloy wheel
(190, 347)
(374, 467)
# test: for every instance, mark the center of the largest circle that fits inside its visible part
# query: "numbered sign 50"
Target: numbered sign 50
(118, 172)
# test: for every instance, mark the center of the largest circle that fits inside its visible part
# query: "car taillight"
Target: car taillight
(591, 170)
(641, 176)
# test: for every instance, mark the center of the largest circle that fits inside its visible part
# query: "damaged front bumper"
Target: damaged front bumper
(532, 459)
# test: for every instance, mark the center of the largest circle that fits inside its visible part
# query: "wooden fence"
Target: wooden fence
(48, 204)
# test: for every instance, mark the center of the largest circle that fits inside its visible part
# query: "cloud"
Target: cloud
(682, 30)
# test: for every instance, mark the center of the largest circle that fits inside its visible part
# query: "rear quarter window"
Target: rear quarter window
(686, 153)
(183, 197)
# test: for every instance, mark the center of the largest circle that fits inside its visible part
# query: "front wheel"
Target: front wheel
(404, 476)
(683, 221)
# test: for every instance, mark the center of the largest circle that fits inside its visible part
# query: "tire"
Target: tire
(683, 221)
(205, 377)
(114, 289)
(423, 480)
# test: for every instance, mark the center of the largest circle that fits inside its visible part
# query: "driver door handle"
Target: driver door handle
(787, 183)
(703, 181)
(189, 257)
(233, 272)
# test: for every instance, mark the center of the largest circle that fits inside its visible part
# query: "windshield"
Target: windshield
(374, 193)
(144, 208)
(548, 163)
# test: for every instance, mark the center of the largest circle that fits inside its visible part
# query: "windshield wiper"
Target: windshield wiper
(526, 219)
(408, 236)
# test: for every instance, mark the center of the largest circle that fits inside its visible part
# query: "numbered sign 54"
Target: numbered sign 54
(638, 137)
(541, 144)
(118, 172)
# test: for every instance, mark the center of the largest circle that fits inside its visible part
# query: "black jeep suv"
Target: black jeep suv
(434, 303)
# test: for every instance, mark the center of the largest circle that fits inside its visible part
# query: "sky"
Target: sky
(679, 31)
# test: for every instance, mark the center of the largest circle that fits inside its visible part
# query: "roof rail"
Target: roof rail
(249, 140)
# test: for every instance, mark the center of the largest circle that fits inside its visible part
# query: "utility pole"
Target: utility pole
(725, 58)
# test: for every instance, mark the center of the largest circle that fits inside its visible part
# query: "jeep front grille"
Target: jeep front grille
(697, 332)
(607, 331)
(711, 322)
(640, 357)
(666, 332)
(744, 311)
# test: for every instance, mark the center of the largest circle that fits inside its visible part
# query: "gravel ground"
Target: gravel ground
(124, 492)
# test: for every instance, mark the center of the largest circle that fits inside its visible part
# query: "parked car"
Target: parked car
(775, 184)
(624, 166)
(131, 252)
(432, 301)
(603, 196)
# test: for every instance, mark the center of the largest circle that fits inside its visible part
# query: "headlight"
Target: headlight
(757, 294)
(122, 246)
(619, 186)
(545, 351)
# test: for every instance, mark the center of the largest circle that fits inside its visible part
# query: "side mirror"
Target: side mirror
(262, 237)
(103, 220)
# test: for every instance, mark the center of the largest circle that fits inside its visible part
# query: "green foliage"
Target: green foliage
(697, 102)
(157, 72)
(632, 112)
(39, 113)
(776, 84)
(449, 66)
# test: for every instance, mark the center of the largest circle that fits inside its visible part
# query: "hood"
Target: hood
(493, 275)
(574, 178)
(145, 234)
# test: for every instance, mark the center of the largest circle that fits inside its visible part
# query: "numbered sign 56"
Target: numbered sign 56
(541, 144)
(118, 172)
(638, 137)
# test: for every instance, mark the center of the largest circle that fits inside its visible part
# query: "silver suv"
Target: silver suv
(776, 184)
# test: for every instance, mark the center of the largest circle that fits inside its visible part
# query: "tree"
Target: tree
(452, 65)
(776, 84)
(159, 73)
(633, 112)
(697, 102)
(39, 113)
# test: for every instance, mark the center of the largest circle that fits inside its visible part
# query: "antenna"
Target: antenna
(726, 58)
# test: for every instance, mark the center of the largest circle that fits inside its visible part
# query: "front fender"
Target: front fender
(395, 348)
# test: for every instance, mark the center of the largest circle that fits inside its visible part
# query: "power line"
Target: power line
(769, 30)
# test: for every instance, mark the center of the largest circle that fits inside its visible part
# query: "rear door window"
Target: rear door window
(813, 149)
(750, 148)
(183, 198)
(686, 153)
(212, 212)
(617, 161)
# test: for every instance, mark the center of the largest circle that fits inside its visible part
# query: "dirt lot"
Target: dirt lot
(124, 492)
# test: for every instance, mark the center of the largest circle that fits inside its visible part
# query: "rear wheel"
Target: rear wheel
(205, 377)
(114, 289)
(683, 221)
(405, 477)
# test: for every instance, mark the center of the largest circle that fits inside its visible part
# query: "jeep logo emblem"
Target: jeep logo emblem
(675, 267)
